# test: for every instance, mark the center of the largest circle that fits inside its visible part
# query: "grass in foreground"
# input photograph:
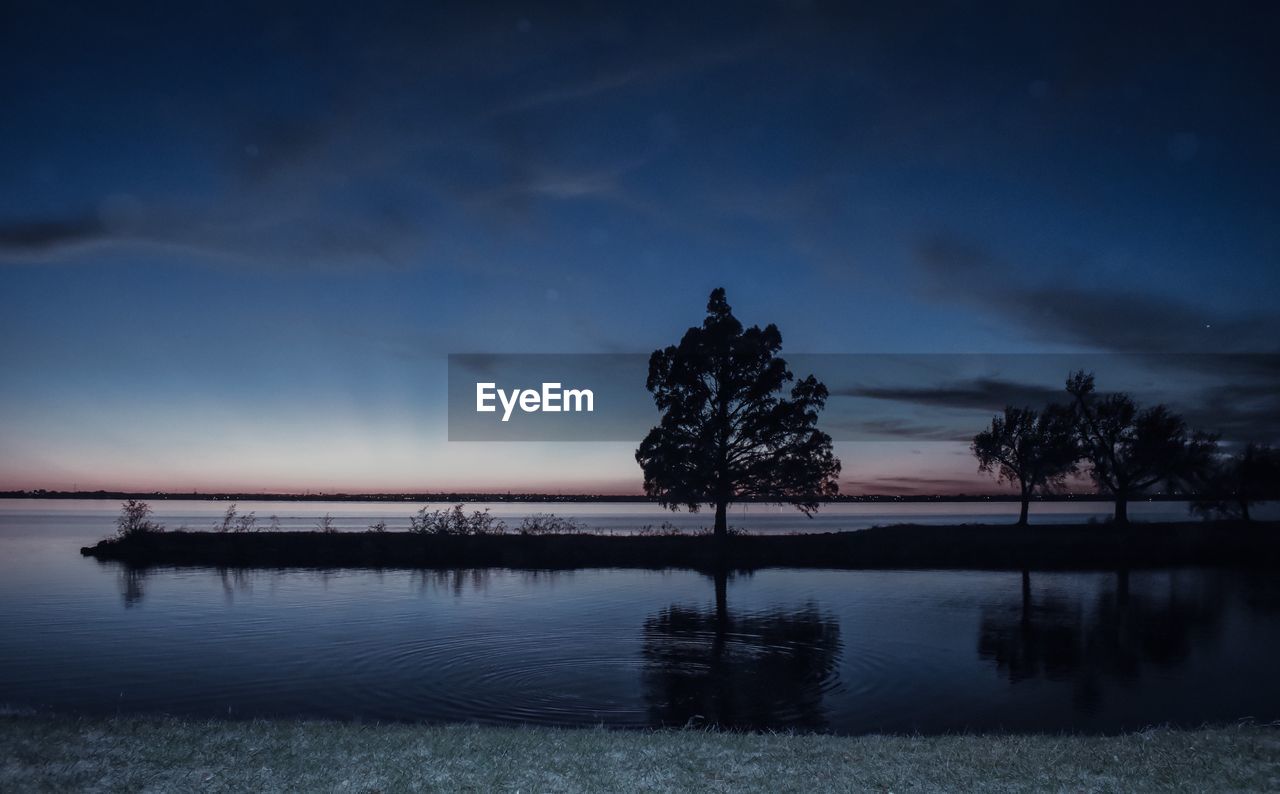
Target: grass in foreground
(143, 754)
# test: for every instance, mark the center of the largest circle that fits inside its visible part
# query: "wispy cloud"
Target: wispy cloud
(899, 430)
(985, 394)
(44, 234)
(654, 70)
(1101, 317)
(910, 486)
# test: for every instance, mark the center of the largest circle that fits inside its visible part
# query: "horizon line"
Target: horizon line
(537, 496)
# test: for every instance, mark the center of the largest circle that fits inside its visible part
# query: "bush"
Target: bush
(550, 524)
(133, 520)
(669, 530)
(733, 532)
(455, 521)
(665, 530)
(325, 524)
(236, 522)
(378, 526)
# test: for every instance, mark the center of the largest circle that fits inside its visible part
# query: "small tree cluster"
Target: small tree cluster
(1130, 449)
(1125, 449)
(1238, 481)
(455, 521)
(133, 520)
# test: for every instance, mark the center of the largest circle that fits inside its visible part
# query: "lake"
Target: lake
(843, 651)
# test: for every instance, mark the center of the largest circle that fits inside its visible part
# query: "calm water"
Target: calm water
(830, 650)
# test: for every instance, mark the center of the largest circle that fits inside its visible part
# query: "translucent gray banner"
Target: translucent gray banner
(874, 397)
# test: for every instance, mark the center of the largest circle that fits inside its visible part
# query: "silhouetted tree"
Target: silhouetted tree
(1241, 480)
(133, 520)
(725, 431)
(1129, 449)
(1034, 449)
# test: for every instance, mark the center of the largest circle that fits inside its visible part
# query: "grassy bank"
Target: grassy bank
(1042, 547)
(137, 754)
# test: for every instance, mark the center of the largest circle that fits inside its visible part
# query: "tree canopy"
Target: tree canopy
(1036, 450)
(1237, 482)
(726, 430)
(1130, 449)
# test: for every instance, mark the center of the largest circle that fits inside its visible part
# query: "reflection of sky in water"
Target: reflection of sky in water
(837, 650)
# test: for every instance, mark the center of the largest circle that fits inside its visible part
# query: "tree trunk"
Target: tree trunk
(1026, 505)
(1122, 508)
(722, 598)
(720, 701)
(722, 520)
(1026, 598)
(1244, 509)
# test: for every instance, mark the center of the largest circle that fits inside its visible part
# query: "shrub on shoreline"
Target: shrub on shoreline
(455, 521)
(233, 521)
(133, 520)
(550, 524)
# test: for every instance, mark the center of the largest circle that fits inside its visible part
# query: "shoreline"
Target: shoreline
(158, 753)
(961, 546)
(453, 497)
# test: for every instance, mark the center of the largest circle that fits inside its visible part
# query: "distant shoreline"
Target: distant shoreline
(455, 497)
(907, 546)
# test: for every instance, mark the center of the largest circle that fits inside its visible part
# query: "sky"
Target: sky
(239, 240)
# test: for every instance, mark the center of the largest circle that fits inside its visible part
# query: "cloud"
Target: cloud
(249, 232)
(984, 394)
(556, 182)
(34, 236)
(909, 486)
(1105, 318)
(1237, 396)
(382, 155)
(903, 430)
(655, 70)
(1222, 372)
(1240, 412)
(583, 90)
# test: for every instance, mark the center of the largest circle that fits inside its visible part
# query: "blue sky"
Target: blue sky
(237, 243)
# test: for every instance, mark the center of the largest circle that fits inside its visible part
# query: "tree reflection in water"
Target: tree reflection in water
(754, 670)
(1110, 639)
(131, 581)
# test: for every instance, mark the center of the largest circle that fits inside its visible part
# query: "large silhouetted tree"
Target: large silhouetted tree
(726, 431)
(1034, 449)
(1130, 449)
